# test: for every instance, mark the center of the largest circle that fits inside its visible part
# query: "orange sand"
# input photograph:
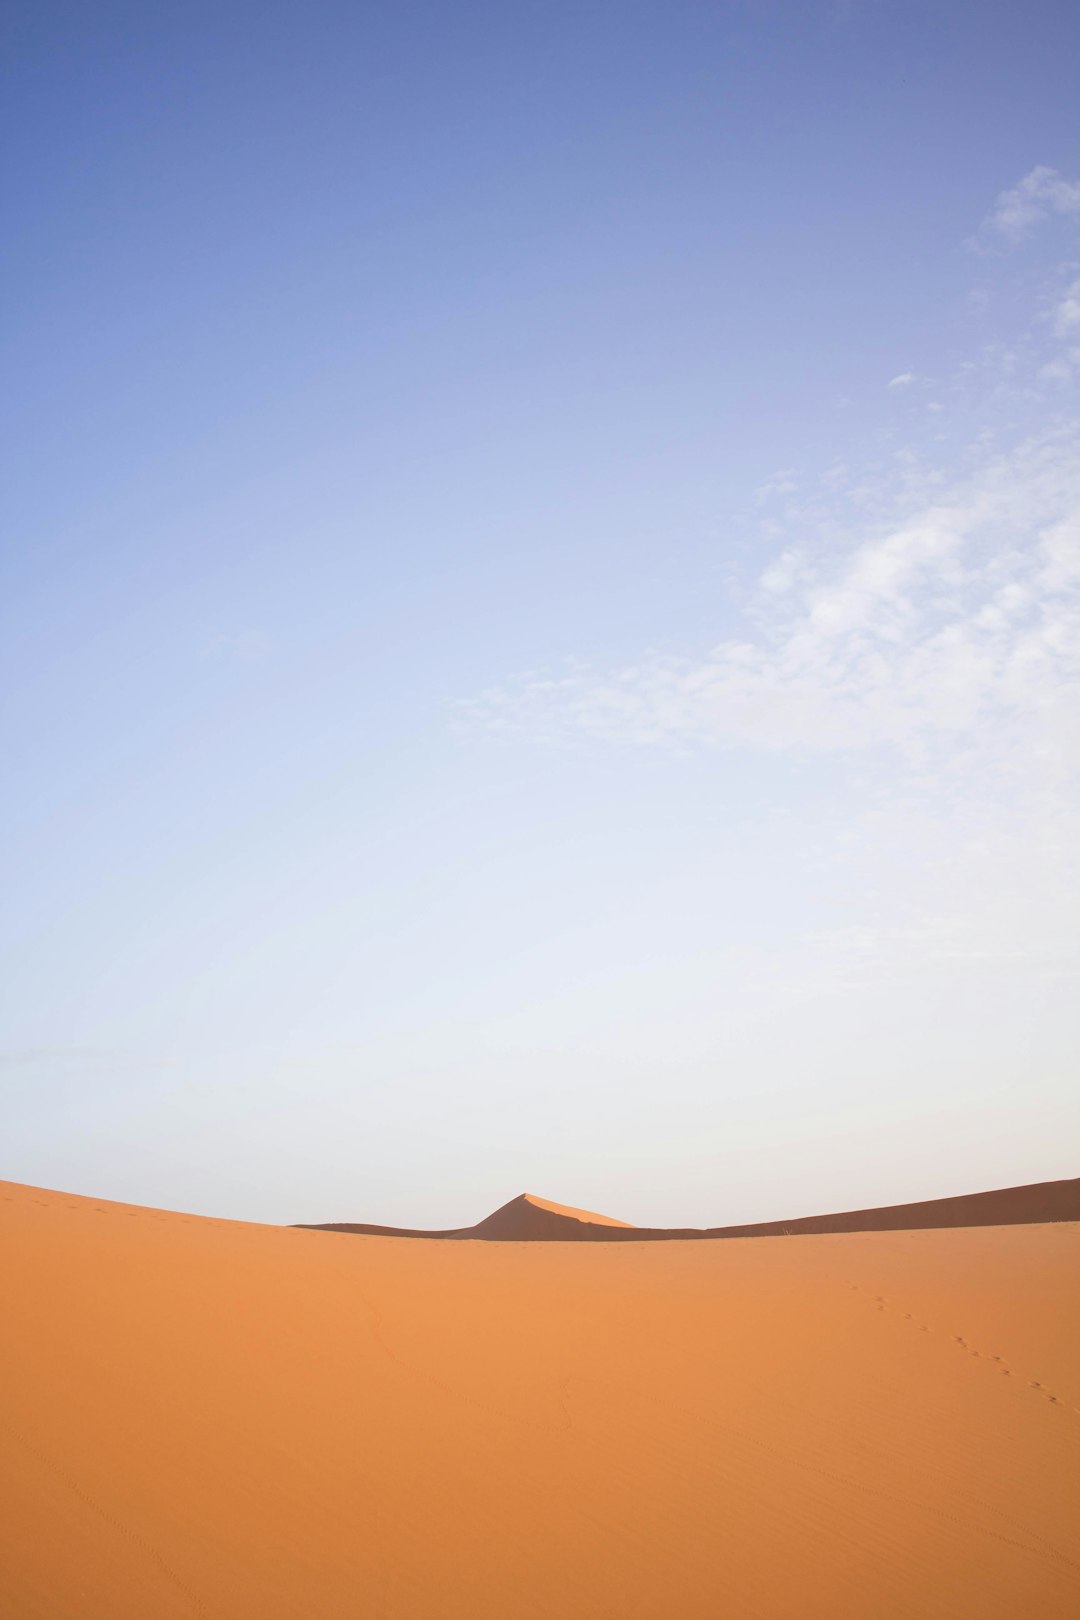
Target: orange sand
(238, 1422)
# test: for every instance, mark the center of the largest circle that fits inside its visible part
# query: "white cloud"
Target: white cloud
(952, 634)
(783, 482)
(1039, 194)
(782, 573)
(1061, 368)
(1067, 314)
(902, 380)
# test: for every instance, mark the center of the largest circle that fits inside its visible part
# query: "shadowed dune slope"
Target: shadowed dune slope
(208, 1419)
(530, 1219)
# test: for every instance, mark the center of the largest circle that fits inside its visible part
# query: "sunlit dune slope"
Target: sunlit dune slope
(532, 1219)
(205, 1418)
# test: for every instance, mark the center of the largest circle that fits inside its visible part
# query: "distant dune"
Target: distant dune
(203, 1418)
(528, 1219)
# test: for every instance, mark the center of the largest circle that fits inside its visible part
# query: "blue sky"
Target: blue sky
(539, 605)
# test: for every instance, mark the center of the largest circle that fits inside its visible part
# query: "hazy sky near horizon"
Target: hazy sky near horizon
(540, 605)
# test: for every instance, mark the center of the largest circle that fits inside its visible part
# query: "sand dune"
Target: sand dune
(525, 1219)
(529, 1219)
(1040, 1201)
(206, 1418)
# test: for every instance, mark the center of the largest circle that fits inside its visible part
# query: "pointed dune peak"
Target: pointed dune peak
(528, 1218)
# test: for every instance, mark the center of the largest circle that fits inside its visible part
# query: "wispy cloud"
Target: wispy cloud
(956, 627)
(1067, 314)
(783, 572)
(902, 380)
(1036, 197)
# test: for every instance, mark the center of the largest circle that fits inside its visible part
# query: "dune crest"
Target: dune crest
(528, 1216)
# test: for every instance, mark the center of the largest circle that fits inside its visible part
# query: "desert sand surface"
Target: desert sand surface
(208, 1418)
(529, 1219)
